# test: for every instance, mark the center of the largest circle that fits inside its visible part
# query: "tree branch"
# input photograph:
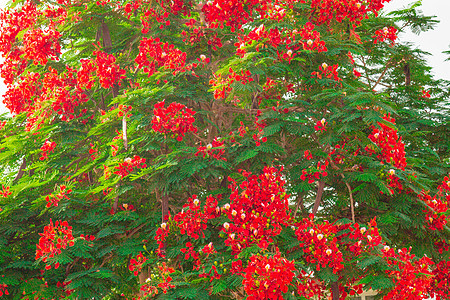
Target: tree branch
(318, 197)
(21, 170)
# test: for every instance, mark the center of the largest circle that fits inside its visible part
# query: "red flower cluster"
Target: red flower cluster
(222, 86)
(54, 199)
(324, 11)
(393, 182)
(215, 149)
(411, 276)
(229, 13)
(257, 211)
(54, 94)
(128, 165)
(268, 277)
(173, 121)
(40, 46)
(127, 207)
(320, 244)
(93, 151)
(426, 94)
(54, 238)
(163, 279)
(391, 145)
(273, 37)
(154, 54)
(308, 286)
(327, 71)
(47, 147)
(313, 174)
(307, 155)
(85, 74)
(387, 33)
(107, 71)
(360, 239)
(311, 39)
(193, 218)
(160, 237)
(123, 111)
(437, 214)
(136, 264)
(63, 92)
(3, 290)
(37, 44)
(441, 283)
(259, 126)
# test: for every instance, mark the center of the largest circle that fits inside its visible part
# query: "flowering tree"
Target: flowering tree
(245, 149)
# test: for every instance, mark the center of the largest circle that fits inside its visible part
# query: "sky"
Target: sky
(435, 41)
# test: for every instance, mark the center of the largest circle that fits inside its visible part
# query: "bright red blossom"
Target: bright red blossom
(268, 277)
(137, 263)
(173, 121)
(47, 147)
(54, 199)
(411, 276)
(387, 33)
(257, 210)
(55, 237)
(129, 164)
(215, 149)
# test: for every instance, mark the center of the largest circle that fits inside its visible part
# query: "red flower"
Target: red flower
(193, 217)
(411, 276)
(387, 33)
(257, 210)
(327, 71)
(128, 165)
(54, 238)
(154, 54)
(392, 147)
(5, 193)
(215, 149)
(173, 121)
(47, 147)
(107, 71)
(3, 290)
(268, 277)
(136, 264)
(41, 45)
(54, 199)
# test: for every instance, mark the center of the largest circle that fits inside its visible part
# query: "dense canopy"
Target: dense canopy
(244, 149)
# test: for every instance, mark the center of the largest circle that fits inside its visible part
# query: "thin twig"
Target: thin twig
(352, 206)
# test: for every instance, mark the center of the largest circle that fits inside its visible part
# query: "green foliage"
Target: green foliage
(258, 125)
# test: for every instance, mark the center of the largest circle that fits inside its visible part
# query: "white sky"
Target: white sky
(434, 41)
